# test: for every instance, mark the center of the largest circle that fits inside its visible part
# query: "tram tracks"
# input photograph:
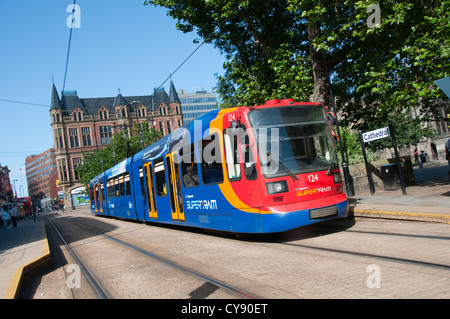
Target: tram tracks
(209, 283)
(311, 262)
(394, 255)
(94, 283)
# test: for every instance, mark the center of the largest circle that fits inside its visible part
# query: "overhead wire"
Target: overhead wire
(67, 64)
(70, 41)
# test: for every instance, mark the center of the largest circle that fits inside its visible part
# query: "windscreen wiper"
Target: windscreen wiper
(334, 157)
(284, 166)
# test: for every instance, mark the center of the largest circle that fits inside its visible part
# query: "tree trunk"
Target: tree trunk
(260, 44)
(321, 92)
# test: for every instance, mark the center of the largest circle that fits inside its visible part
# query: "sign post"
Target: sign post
(375, 135)
(369, 174)
(397, 158)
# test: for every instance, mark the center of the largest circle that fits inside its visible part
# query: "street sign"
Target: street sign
(376, 134)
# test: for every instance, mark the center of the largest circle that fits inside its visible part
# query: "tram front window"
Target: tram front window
(292, 140)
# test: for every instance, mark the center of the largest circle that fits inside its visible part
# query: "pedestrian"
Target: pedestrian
(13, 212)
(447, 153)
(416, 155)
(5, 217)
(190, 178)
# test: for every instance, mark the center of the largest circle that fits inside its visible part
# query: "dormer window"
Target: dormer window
(141, 111)
(77, 116)
(103, 113)
(163, 110)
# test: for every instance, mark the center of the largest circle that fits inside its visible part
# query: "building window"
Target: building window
(73, 137)
(161, 128)
(76, 161)
(59, 138)
(103, 114)
(169, 129)
(86, 136)
(77, 116)
(62, 169)
(105, 134)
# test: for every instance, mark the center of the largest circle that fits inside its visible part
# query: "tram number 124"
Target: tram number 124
(312, 178)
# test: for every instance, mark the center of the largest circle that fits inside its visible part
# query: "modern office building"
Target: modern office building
(196, 104)
(42, 178)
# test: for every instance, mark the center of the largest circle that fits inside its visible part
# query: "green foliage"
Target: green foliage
(352, 147)
(95, 163)
(274, 49)
(406, 130)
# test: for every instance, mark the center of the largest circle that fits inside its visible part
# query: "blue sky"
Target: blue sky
(121, 43)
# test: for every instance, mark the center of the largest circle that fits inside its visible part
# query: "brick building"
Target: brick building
(6, 192)
(42, 177)
(88, 124)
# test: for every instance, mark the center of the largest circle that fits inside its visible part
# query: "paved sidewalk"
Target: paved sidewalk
(428, 200)
(23, 251)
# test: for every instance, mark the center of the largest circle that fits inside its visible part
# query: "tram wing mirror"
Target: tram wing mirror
(335, 137)
(332, 118)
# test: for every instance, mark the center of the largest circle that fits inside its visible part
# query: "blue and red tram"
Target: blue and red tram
(259, 169)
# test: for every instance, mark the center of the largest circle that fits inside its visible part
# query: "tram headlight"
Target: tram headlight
(276, 187)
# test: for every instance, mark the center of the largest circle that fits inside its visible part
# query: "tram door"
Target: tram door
(100, 197)
(176, 198)
(95, 187)
(150, 190)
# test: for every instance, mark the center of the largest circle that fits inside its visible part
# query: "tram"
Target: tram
(258, 169)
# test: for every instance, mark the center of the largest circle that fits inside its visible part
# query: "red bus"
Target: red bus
(26, 207)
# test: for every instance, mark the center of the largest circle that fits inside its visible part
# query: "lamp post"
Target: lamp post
(153, 127)
(15, 189)
(344, 161)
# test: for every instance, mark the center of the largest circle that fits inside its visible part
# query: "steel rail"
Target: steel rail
(234, 290)
(95, 285)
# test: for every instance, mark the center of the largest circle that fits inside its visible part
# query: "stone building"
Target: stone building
(89, 124)
(6, 191)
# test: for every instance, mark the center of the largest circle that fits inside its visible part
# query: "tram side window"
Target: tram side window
(91, 193)
(141, 177)
(211, 160)
(249, 159)
(189, 166)
(160, 178)
(230, 138)
(116, 187)
(126, 178)
(112, 189)
(121, 186)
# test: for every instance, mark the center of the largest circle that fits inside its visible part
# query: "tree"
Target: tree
(95, 163)
(285, 48)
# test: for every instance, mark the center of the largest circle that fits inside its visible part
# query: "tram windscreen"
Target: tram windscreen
(292, 139)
